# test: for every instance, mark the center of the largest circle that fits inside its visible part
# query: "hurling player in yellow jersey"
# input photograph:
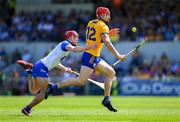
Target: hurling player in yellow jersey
(97, 32)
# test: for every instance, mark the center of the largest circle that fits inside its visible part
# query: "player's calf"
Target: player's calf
(50, 88)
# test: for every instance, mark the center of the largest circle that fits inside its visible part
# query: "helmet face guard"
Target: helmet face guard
(103, 13)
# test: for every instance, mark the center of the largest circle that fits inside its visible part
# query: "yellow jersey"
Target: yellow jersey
(93, 35)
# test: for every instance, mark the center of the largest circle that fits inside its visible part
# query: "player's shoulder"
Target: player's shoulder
(95, 21)
(102, 23)
(64, 44)
(98, 23)
(90, 22)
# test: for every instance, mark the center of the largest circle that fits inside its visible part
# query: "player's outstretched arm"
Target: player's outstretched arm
(80, 48)
(109, 45)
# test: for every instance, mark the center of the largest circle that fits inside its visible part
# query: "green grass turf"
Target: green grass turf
(89, 109)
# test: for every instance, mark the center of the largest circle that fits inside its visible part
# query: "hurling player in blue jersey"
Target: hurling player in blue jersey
(38, 74)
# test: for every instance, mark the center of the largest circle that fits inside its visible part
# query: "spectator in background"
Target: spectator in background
(16, 55)
(2, 63)
(14, 82)
(26, 56)
(161, 22)
(3, 58)
(22, 86)
(144, 72)
(2, 77)
(4, 34)
(169, 35)
(136, 60)
(18, 85)
(82, 32)
(177, 37)
(164, 63)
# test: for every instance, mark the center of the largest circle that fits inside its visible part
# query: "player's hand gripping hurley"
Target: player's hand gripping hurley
(130, 52)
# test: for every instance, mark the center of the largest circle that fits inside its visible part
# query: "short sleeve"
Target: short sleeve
(64, 45)
(104, 29)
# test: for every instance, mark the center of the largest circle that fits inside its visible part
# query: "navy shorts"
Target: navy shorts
(89, 60)
(40, 70)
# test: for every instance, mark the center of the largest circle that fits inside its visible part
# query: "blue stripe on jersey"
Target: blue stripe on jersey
(64, 45)
(104, 33)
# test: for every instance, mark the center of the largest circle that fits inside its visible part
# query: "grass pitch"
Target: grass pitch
(89, 109)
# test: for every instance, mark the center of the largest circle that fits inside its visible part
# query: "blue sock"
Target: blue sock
(27, 108)
(29, 71)
(107, 98)
(54, 86)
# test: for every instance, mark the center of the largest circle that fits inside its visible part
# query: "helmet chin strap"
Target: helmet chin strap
(71, 42)
(102, 19)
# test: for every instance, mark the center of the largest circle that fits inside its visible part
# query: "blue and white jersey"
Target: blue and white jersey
(56, 55)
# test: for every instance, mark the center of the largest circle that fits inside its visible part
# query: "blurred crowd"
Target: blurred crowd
(15, 82)
(16, 54)
(155, 69)
(157, 19)
(162, 69)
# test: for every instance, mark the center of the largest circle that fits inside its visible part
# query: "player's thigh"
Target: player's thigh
(105, 68)
(35, 82)
(35, 86)
(85, 73)
(43, 83)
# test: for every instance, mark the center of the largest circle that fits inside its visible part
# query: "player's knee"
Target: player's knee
(81, 81)
(111, 73)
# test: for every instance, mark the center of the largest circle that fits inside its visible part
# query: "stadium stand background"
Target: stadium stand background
(29, 30)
